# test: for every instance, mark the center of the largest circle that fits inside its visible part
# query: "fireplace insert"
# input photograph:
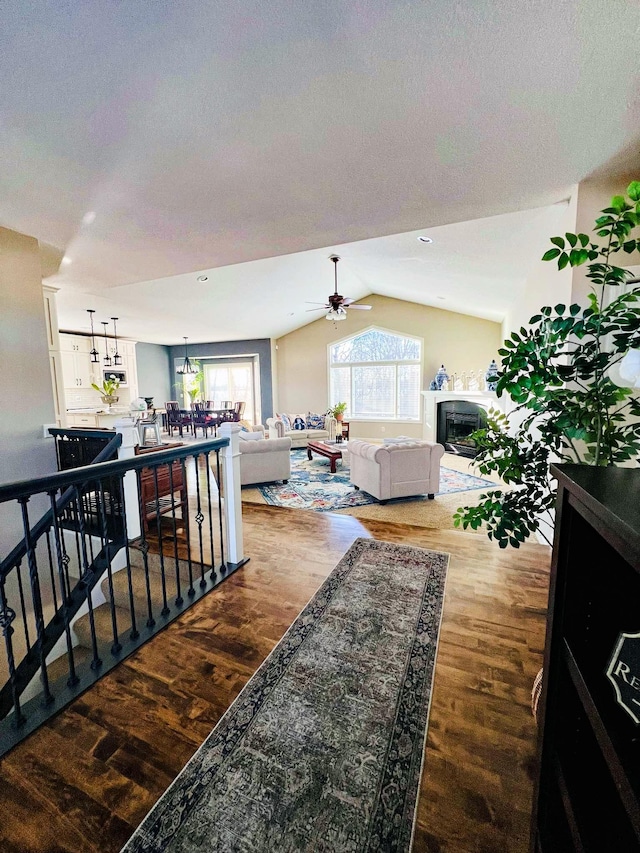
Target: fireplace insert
(457, 420)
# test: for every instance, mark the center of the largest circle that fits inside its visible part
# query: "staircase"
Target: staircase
(151, 596)
(109, 565)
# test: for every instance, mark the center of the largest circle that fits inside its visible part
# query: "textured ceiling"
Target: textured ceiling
(199, 135)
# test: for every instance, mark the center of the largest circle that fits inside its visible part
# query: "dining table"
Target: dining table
(219, 416)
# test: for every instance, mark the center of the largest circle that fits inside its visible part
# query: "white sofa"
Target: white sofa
(263, 461)
(301, 437)
(396, 470)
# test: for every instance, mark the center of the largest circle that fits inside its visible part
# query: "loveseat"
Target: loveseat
(263, 461)
(316, 428)
(396, 470)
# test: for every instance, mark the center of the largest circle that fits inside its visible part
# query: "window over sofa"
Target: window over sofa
(378, 374)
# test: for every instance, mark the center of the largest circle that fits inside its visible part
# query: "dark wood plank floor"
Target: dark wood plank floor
(83, 782)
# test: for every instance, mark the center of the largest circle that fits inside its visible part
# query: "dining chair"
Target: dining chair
(203, 420)
(176, 418)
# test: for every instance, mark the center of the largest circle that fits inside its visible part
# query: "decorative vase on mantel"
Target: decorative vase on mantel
(491, 376)
(442, 378)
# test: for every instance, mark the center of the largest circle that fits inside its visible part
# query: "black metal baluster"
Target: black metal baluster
(25, 624)
(223, 565)
(213, 556)
(51, 574)
(7, 615)
(87, 577)
(165, 606)
(36, 598)
(125, 532)
(144, 550)
(179, 598)
(199, 516)
(73, 678)
(104, 535)
(187, 531)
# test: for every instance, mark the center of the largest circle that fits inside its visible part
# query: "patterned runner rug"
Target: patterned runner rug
(312, 486)
(322, 750)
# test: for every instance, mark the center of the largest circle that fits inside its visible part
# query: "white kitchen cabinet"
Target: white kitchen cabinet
(84, 420)
(78, 371)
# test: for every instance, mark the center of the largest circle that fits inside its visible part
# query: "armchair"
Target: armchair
(396, 470)
(264, 461)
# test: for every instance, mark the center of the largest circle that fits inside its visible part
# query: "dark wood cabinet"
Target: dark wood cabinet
(587, 793)
(164, 489)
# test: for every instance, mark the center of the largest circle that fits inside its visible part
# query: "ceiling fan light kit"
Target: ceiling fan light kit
(336, 303)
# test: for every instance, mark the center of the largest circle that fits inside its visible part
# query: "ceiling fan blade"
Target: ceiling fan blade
(361, 307)
(308, 302)
(321, 308)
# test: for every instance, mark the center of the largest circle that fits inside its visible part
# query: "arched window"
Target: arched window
(378, 374)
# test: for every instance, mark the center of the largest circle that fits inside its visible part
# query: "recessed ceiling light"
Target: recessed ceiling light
(423, 239)
(89, 217)
(66, 261)
(203, 278)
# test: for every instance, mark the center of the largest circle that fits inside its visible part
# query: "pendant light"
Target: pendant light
(107, 358)
(117, 358)
(187, 368)
(95, 355)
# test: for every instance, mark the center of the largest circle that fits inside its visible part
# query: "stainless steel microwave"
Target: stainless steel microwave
(111, 373)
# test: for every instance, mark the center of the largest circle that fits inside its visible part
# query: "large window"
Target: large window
(378, 375)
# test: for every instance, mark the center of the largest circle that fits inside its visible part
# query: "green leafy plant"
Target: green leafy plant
(558, 373)
(337, 410)
(109, 386)
(193, 382)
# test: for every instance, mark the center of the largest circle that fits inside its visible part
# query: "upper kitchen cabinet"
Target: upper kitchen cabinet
(77, 369)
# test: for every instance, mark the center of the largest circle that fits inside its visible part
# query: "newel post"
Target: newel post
(232, 492)
(130, 438)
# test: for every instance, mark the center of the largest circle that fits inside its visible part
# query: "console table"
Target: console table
(587, 794)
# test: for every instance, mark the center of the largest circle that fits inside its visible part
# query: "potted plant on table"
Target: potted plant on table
(107, 389)
(337, 411)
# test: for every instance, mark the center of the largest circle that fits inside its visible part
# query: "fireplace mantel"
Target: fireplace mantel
(486, 399)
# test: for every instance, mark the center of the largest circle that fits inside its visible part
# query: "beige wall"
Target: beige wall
(594, 195)
(545, 284)
(25, 378)
(462, 343)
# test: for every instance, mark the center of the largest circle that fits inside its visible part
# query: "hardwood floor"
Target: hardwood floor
(85, 780)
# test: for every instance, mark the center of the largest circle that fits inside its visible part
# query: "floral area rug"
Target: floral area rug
(322, 750)
(312, 486)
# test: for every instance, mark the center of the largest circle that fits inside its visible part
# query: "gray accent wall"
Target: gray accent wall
(25, 378)
(154, 372)
(260, 347)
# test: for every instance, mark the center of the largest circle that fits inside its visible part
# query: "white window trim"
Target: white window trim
(355, 418)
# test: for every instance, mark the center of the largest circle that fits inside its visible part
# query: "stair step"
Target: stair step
(139, 587)
(102, 619)
(153, 561)
(59, 668)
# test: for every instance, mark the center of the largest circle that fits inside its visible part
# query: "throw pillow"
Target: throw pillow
(299, 423)
(315, 421)
(285, 420)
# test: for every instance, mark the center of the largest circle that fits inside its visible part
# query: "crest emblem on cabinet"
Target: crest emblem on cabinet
(624, 673)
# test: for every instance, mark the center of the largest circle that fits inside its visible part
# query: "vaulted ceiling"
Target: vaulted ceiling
(145, 141)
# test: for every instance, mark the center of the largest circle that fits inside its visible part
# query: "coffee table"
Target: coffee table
(332, 452)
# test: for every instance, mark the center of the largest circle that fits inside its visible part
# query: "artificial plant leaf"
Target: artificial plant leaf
(558, 241)
(550, 254)
(633, 190)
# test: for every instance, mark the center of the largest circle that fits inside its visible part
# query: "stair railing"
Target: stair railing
(124, 548)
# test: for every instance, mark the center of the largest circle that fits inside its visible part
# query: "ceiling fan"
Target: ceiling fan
(337, 304)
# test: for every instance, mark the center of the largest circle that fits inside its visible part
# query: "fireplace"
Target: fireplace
(457, 419)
